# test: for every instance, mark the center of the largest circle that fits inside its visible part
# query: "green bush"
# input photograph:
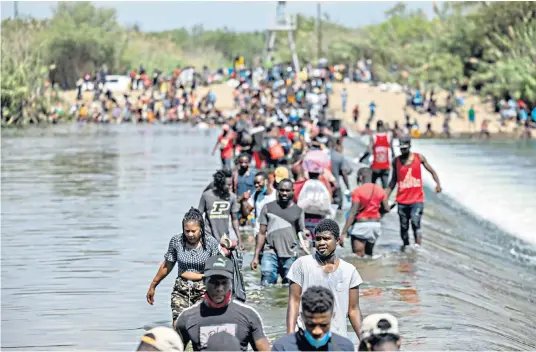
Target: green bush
(23, 70)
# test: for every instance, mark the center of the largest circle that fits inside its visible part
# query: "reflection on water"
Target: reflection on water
(87, 213)
(84, 173)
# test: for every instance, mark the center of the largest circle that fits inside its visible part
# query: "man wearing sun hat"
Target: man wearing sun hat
(280, 173)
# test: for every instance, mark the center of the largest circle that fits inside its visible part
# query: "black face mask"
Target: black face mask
(325, 258)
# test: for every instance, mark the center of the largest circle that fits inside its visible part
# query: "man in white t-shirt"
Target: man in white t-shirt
(324, 269)
(263, 194)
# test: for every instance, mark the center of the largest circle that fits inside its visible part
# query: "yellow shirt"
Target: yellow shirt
(82, 111)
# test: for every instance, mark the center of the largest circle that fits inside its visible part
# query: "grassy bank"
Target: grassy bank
(483, 47)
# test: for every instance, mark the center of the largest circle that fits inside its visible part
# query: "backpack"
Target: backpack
(314, 198)
(276, 151)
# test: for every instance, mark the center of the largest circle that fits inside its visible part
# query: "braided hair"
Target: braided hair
(317, 299)
(194, 215)
(219, 183)
(328, 225)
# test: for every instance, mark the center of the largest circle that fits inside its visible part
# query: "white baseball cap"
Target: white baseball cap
(163, 339)
(377, 324)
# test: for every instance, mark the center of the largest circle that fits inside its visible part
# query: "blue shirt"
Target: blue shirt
(245, 182)
(297, 342)
(212, 97)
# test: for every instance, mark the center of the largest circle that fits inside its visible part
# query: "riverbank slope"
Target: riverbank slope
(390, 108)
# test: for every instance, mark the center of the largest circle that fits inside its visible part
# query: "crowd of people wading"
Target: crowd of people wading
(283, 174)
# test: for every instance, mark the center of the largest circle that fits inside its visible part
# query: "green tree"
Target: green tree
(82, 37)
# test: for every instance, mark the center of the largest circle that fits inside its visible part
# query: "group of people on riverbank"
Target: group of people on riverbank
(455, 107)
(156, 97)
(175, 97)
(282, 175)
(164, 99)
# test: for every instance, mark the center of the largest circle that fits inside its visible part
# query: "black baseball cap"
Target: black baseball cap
(405, 142)
(223, 341)
(219, 265)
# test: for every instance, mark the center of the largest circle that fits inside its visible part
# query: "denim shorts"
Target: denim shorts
(272, 266)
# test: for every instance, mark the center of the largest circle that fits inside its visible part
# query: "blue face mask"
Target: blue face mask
(317, 343)
(264, 189)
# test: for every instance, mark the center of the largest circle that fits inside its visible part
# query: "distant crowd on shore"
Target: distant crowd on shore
(157, 97)
(454, 107)
(172, 98)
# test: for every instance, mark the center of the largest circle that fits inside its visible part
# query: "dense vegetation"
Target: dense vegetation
(488, 46)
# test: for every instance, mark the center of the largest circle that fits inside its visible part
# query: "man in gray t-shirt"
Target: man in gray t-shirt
(219, 206)
(282, 223)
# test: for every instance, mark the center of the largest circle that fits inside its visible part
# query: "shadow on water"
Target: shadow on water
(88, 211)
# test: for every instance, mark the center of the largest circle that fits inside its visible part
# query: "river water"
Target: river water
(87, 212)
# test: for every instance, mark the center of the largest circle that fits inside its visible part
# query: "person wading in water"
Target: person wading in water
(219, 312)
(410, 195)
(281, 229)
(264, 194)
(379, 147)
(219, 205)
(243, 177)
(226, 144)
(363, 223)
(325, 269)
(189, 250)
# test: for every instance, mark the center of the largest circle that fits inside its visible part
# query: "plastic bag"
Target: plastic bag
(314, 198)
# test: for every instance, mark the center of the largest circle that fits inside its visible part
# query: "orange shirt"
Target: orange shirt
(370, 197)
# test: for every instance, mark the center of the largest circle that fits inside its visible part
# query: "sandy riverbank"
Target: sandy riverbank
(223, 92)
(390, 108)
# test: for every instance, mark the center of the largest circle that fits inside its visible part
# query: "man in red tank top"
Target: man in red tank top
(410, 195)
(380, 147)
(226, 144)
